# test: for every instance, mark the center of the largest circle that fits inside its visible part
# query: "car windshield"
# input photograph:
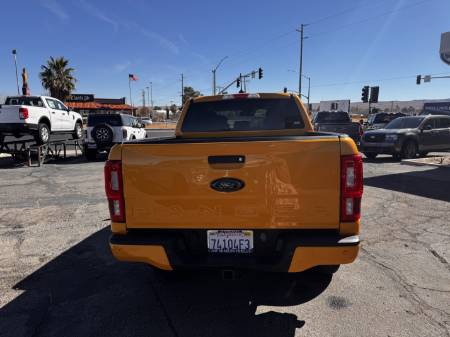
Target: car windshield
(112, 120)
(332, 117)
(405, 123)
(249, 114)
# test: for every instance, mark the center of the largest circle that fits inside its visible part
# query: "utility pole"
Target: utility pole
(182, 90)
(214, 74)
(14, 52)
(300, 75)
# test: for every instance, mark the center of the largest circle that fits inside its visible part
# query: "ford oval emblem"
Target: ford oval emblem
(227, 185)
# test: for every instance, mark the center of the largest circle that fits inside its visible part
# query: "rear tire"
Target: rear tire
(43, 134)
(78, 131)
(371, 155)
(409, 149)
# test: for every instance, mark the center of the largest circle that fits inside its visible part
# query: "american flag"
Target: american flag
(132, 77)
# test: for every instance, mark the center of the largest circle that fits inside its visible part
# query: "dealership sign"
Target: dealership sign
(80, 98)
(437, 106)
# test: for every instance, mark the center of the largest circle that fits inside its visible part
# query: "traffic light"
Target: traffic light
(374, 91)
(365, 94)
(260, 73)
(285, 90)
(238, 82)
(418, 79)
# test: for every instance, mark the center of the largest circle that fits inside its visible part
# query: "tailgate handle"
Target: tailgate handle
(239, 159)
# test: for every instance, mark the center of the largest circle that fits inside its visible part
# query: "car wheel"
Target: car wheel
(43, 134)
(78, 131)
(327, 270)
(409, 150)
(102, 134)
(371, 155)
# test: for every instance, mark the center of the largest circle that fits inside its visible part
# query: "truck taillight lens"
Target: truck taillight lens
(23, 113)
(114, 190)
(351, 187)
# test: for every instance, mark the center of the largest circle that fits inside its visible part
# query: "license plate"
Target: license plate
(230, 241)
(91, 146)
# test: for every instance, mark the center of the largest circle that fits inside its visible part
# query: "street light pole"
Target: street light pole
(214, 74)
(151, 95)
(14, 52)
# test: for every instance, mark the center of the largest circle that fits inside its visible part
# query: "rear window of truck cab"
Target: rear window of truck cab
(110, 119)
(24, 100)
(244, 114)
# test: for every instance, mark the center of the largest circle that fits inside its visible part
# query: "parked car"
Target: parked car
(39, 116)
(105, 130)
(338, 122)
(147, 121)
(381, 119)
(244, 183)
(406, 137)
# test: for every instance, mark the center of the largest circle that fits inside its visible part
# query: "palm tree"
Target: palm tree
(57, 78)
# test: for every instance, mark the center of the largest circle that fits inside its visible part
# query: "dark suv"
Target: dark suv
(406, 137)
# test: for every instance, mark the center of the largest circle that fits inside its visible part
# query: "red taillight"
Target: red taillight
(351, 187)
(23, 113)
(114, 190)
(124, 133)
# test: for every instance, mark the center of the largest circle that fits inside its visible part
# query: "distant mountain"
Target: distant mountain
(412, 107)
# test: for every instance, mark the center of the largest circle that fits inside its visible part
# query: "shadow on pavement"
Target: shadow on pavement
(85, 292)
(433, 183)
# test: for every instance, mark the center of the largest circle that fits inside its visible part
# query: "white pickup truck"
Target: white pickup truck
(39, 116)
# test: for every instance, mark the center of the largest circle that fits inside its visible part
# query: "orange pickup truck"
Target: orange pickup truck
(245, 183)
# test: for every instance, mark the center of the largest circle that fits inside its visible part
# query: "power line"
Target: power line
(345, 11)
(370, 18)
(372, 81)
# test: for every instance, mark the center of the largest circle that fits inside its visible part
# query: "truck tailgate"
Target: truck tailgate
(10, 114)
(289, 183)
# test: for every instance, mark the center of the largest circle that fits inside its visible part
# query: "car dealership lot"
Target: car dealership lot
(57, 276)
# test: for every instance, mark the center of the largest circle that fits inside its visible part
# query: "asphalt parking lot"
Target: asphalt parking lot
(58, 278)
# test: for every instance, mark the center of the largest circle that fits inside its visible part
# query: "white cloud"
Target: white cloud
(161, 40)
(54, 7)
(182, 39)
(201, 58)
(119, 67)
(97, 13)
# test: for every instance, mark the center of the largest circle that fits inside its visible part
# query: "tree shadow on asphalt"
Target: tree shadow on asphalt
(433, 183)
(85, 292)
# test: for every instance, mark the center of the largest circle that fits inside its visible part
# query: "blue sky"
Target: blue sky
(350, 44)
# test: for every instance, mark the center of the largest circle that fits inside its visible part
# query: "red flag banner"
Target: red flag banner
(132, 77)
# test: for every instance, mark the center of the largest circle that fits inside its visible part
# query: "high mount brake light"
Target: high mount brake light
(114, 190)
(351, 187)
(242, 95)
